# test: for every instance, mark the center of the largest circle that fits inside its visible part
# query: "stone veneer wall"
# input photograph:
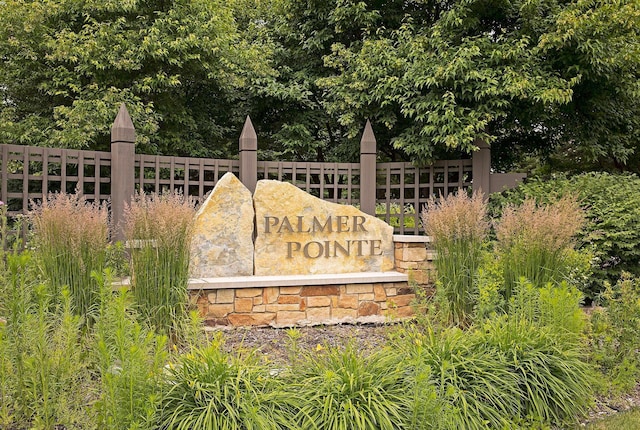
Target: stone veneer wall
(296, 305)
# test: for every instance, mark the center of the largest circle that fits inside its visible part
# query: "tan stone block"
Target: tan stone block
(225, 296)
(259, 308)
(270, 294)
(257, 300)
(403, 300)
(289, 317)
(339, 313)
(318, 301)
(391, 291)
(366, 297)
(350, 302)
(244, 304)
(289, 299)
(420, 277)
(303, 304)
(319, 314)
(248, 292)
(415, 252)
(404, 312)
(384, 305)
(359, 288)
(398, 253)
(380, 295)
(334, 301)
(219, 310)
(251, 320)
(406, 265)
(324, 290)
(211, 297)
(368, 308)
(290, 290)
(398, 245)
(285, 307)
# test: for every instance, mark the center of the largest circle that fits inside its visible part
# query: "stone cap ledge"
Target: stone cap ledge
(296, 280)
(409, 238)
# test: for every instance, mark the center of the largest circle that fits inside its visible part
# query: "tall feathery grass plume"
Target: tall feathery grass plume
(70, 237)
(458, 226)
(535, 242)
(158, 228)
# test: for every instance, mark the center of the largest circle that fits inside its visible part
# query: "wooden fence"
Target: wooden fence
(395, 192)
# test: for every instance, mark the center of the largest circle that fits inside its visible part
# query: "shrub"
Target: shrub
(70, 242)
(209, 389)
(612, 204)
(536, 242)
(615, 334)
(158, 228)
(458, 227)
(339, 388)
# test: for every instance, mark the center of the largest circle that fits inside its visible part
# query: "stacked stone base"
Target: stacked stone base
(305, 305)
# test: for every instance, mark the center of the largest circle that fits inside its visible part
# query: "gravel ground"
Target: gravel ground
(272, 344)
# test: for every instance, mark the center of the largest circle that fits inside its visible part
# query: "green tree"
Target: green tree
(543, 77)
(183, 68)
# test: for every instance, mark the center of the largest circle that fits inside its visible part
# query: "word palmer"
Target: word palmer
(324, 248)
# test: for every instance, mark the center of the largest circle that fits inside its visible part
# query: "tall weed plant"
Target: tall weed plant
(459, 227)
(129, 361)
(536, 242)
(44, 381)
(70, 242)
(158, 228)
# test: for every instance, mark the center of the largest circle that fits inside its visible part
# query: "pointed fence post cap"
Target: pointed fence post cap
(122, 129)
(368, 140)
(248, 137)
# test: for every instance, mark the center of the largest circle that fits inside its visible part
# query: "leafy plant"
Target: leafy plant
(158, 228)
(615, 334)
(71, 242)
(458, 227)
(209, 389)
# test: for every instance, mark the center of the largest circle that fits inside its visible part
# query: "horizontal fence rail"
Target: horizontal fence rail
(394, 192)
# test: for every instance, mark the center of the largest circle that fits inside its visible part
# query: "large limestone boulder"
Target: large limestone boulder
(298, 233)
(222, 243)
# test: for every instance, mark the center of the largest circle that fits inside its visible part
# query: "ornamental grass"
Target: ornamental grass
(70, 237)
(158, 229)
(535, 242)
(458, 227)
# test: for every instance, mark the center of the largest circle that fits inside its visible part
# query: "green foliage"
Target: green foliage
(209, 389)
(615, 334)
(129, 359)
(343, 389)
(458, 227)
(158, 228)
(67, 66)
(71, 242)
(612, 207)
(44, 382)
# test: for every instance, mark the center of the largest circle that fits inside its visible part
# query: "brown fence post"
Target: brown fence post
(368, 171)
(249, 156)
(481, 167)
(123, 137)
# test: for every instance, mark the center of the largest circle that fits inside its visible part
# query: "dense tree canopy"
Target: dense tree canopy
(182, 67)
(556, 80)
